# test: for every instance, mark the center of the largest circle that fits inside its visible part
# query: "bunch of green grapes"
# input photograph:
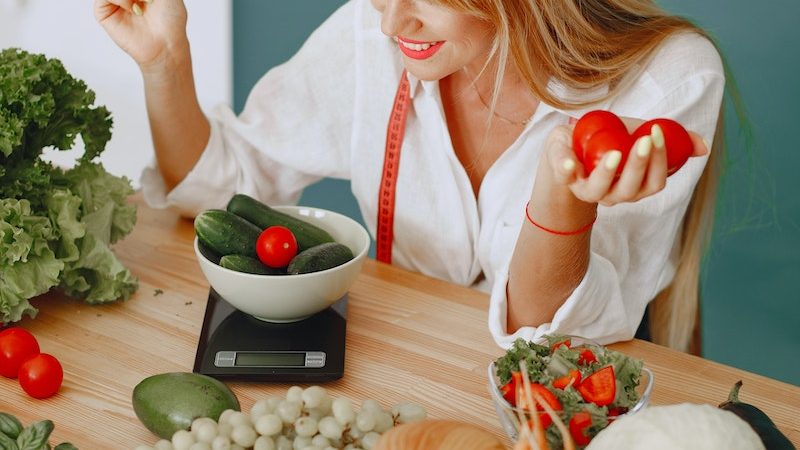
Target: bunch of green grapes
(305, 419)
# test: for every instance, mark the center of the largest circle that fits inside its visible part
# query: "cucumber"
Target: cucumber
(250, 209)
(320, 257)
(226, 233)
(247, 264)
(168, 402)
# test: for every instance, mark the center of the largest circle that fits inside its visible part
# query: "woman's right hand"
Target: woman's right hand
(150, 37)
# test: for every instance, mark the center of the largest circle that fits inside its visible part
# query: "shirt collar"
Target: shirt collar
(415, 84)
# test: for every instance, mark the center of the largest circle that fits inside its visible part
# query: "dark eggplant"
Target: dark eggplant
(772, 438)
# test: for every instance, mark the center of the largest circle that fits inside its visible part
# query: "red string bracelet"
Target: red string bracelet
(580, 230)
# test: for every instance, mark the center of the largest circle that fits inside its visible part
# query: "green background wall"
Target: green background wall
(751, 303)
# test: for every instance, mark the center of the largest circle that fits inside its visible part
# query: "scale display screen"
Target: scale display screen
(268, 359)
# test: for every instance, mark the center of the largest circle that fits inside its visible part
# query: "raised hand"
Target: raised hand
(149, 31)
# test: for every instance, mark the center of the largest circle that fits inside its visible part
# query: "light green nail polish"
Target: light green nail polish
(137, 9)
(568, 165)
(643, 146)
(613, 157)
(657, 135)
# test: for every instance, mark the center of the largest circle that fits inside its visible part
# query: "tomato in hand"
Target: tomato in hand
(589, 124)
(600, 387)
(16, 345)
(677, 141)
(604, 141)
(41, 376)
(276, 246)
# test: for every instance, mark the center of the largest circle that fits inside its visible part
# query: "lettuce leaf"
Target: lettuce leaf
(28, 265)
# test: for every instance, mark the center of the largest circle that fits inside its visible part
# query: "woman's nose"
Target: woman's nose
(397, 18)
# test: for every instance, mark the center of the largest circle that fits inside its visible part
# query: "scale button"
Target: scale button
(315, 359)
(225, 359)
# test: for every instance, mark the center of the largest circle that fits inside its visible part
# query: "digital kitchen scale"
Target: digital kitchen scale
(236, 346)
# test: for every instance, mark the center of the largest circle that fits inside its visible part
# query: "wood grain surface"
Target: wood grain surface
(409, 338)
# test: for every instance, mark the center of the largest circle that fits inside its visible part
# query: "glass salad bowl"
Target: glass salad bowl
(508, 414)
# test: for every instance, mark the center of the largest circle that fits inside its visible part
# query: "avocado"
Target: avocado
(168, 402)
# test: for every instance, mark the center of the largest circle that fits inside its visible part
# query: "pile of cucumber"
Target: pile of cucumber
(229, 237)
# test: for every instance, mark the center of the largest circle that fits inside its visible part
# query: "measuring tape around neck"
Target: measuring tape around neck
(395, 132)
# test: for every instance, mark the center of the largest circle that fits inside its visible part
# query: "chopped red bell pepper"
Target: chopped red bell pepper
(578, 426)
(573, 377)
(543, 392)
(567, 342)
(586, 357)
(545, 420)
(600, 387)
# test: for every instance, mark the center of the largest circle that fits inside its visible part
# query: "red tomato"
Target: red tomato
(276, 246)
(507, 390)
(544, 418)
(574, 377)
(41, 376)
(589, 124)
(16, 345)
(578, 426)
(600, 387)
(603, 141)
(545, 393)
(586, 357)
(676, 140)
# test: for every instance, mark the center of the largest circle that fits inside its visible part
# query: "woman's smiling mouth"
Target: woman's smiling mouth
(418, 49)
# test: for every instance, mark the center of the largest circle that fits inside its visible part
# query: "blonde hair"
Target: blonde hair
(585, 44)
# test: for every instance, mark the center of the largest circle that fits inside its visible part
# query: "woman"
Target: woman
(488, 191)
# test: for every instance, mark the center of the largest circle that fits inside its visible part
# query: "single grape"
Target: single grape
(305, 426)
(301, 442)
(383, 422)
(223, 418)
(369, 440)
(295, 394)
(269, 425)
(200, 446)
(371, 405)
(182, 440)
(243, 435)
(283, 443)
(330, 428)
(264, 443)
(289, 411)
(260, 408)
(204, 431)
(239, 419)
(343, 411)
(365, 420)
(221, 443)
(143, 447)
(410, 412)
(314, 396)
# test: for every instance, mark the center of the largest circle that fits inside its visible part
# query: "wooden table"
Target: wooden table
(409, 337)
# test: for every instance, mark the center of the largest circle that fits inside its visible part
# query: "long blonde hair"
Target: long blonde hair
(585, 44)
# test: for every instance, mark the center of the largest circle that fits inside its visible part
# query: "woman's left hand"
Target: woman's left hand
(644, 174)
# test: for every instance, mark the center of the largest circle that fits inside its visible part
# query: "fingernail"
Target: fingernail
(613, 157)
(137, 9)
(148, 1)
(658, 136)
(568, 165)
(643, 146)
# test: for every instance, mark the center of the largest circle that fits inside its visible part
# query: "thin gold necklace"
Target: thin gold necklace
(494, 113)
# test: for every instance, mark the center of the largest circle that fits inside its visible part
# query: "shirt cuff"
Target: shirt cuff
(593, 311)
(206, 186)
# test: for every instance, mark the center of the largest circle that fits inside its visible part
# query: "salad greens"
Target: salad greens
(550, 365)
(56, 225)
(13, 436)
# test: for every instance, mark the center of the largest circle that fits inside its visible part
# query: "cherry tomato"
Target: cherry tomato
(676, 140)
(276, 246)
(578, 426)
(589, 124)
(603, 141)
(40, 376)
(600, 387)
(16, 345)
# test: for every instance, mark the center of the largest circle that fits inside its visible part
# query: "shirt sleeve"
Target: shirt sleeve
(294, 130)
(634, 246)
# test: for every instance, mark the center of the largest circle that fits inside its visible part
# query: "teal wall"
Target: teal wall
(751, 303)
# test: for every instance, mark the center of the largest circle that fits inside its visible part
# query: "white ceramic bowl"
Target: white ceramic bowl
(288, 298)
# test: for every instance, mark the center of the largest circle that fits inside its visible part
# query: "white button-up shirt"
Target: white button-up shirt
(324, 114)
